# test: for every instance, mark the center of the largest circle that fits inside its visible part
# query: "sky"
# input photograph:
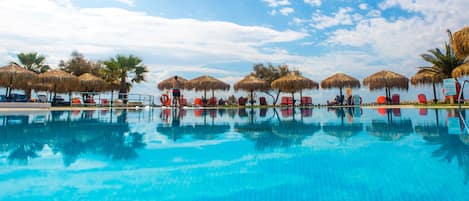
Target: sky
(225, 39)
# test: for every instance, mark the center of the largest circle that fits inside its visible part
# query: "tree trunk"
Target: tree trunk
(123, 90)
(27, 92)
(434, 93)
(276, 98)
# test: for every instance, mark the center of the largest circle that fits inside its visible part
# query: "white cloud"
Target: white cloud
(287, 11)
(276, 3)
(363, 6)
(130, 3)
(105, 31)
(343, 17)
(313, 2)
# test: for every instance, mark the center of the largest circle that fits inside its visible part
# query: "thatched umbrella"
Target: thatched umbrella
(251, 83)
(388, 80)
(91, 83)
(292, 83)
(461, 71)
(168, 83)
(460, 43)
(61, 81)
(340, 80)
(204, 83)
(425, 77)
(15, 77)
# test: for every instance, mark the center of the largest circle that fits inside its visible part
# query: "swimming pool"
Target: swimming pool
(231, 154)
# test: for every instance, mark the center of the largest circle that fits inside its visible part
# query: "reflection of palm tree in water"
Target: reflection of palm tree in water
(25, 152)
(455, 146)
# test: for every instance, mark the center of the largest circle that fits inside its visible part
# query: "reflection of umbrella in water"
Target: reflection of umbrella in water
(343, 131)
(431, 132)
(390, 130)
(296, 130)
(197, 131)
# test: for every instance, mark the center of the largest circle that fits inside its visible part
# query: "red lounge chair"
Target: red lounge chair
(422, 98)
(395, 100)
(287, 101)
(183, 102)
(198, 102)
(104, 101)
(76, 101)
(212, 101)
(381, 100)
(306, 101)
(242, 101)
(262, 101)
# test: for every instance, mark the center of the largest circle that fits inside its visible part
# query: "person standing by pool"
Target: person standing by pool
(176, 92)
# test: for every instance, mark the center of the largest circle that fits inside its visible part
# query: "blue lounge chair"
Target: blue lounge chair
(3, 98)
(357, 100)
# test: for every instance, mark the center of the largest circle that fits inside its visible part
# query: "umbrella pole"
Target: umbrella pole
(252, 98)
(213, 93)
(434, 93)
(340, 96)
(293, 98)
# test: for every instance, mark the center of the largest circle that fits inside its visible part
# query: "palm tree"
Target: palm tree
(33, 62)
(443, 63)
(122, 67)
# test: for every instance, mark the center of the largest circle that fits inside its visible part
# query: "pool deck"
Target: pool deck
(12, 109)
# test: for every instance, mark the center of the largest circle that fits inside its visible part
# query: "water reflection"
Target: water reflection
(23, 137)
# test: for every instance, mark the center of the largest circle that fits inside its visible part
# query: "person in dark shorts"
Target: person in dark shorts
(176, 92)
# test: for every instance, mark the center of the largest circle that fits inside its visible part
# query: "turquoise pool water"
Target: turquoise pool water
(282, 154)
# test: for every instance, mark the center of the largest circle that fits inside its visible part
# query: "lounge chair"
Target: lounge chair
(242, 101)
(395, 100)
(262, 101)
(287, 101)
(89, 101)
(422, 98)
(183, 102)
(42, 98)
(59, 101)
(212, 101)
(18, 98)
(357, 100)
(76, 101)
(306, 101)
(381, 100)
(3, 98)
(104, 102)
(198, 102)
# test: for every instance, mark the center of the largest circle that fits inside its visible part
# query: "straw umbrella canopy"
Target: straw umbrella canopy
(168, 83)
(425, 77)
(61, 81)
(460, 43)
(91, 83)
(340, 80)
(204, 83)
(15, 77)
(388, 80)
(292, 83)
(461, 71)
(251, 83)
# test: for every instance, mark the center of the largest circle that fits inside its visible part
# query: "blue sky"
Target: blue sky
(225, 38)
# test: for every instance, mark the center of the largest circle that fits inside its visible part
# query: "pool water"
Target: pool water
(231, 154)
